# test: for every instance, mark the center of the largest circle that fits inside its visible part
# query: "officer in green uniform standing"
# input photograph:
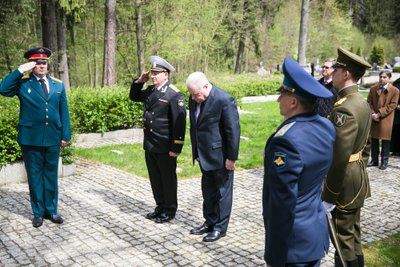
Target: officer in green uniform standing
(44, 126)
(346, 185)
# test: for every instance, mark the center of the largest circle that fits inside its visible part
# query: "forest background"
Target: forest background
(104, 43)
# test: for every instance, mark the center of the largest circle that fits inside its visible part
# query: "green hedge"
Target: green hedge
(97, 110)
(105, 109)
(396, 69)
(9, 148)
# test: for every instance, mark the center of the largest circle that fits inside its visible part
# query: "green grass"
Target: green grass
(385, 252)
(257, 125)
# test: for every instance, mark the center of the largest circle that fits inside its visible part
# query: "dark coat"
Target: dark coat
(215, 136)
(385, 103)
(347, 183)
(164, 117)
(297, 157)
(43, 121)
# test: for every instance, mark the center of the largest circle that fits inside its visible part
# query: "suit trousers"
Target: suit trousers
(217, 190)
(162, 172)
(385, 150)
(41, 164)
(348, 232)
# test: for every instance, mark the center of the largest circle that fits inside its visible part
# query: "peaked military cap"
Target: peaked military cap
(300, 82)
(350, 61)
(39, 54)
(160, 64)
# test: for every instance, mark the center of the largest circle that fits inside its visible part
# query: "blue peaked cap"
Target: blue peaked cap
(302, 82)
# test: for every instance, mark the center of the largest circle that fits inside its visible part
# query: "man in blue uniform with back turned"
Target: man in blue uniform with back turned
(43, 127)
(164, 133)
(297, 157)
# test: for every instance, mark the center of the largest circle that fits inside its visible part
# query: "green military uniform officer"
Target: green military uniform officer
(44, 126)
(347, 185)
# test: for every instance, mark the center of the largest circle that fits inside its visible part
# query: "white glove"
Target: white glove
(328, 208)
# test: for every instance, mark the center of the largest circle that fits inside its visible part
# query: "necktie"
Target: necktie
(44, 87)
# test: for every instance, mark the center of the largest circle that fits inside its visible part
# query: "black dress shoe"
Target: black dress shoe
(163, 218)
(37, 221)
(153, 215)
(201, 230)
(213, 236)
(372, 163)
(55, 218)
(383, 167)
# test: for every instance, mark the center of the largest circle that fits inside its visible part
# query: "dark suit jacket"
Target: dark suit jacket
(42, 121)
(297, 158)
(215, 135)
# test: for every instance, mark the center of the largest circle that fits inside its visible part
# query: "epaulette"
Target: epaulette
(284, 129)
(338, 103)
(25, 77)
(55, 79)
(174, 88)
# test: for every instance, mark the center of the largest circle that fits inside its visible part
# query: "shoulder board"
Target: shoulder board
(338, 103)
(55, 79)
(174, 88)
(284, 129)
(25, 77)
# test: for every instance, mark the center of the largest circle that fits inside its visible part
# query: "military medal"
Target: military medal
(29, 90)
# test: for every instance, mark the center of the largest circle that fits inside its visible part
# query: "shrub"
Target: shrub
(103, 109)
(9, 148)
(396, 69)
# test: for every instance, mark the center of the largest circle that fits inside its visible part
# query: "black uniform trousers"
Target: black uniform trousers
(162, 172)
(217, 190)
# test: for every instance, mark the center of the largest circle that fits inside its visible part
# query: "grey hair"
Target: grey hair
(197, 78)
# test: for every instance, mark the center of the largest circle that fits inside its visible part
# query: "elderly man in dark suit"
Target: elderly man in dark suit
(297, 157)
(43, 127)
(324, 105)
(215, 136)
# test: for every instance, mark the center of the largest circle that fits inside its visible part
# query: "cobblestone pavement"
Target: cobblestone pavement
(104, 209)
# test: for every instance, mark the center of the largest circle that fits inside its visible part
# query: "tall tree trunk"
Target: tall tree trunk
(240, 54)
(95, 67)
(139, 36)
(87, 50)
(62, 46)
(109, 67)
(303, 32)
(49, 31)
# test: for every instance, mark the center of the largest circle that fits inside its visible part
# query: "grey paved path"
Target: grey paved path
(103, 208)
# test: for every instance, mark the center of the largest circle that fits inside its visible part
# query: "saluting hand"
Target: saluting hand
(27, 66)
(144, 77)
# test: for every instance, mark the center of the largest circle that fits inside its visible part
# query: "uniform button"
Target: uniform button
(47, 116)
(47, 109)
(151, 121)
(46, 103)
(151, 130)
(152, 113)
(47, 123)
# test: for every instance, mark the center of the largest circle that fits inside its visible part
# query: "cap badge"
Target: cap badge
(41, 50)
